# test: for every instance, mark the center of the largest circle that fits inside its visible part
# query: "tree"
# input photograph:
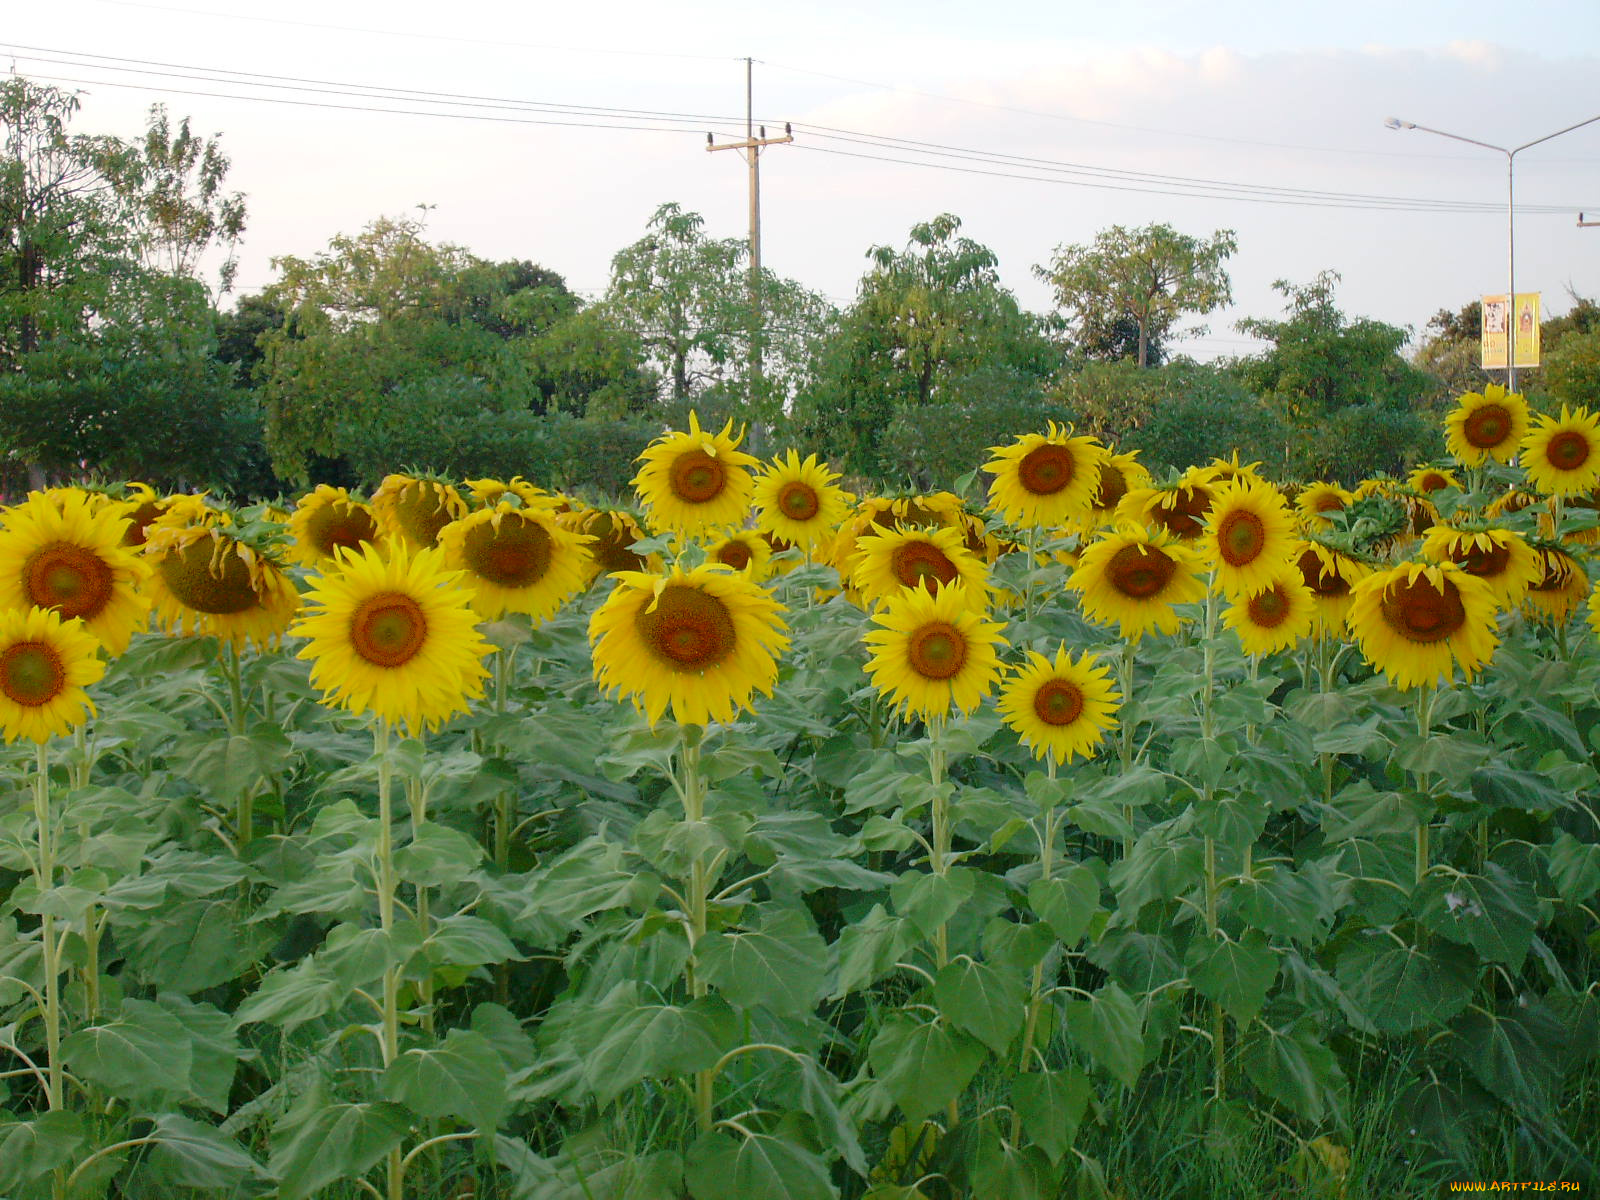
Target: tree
(1150, 276)
(931, 324)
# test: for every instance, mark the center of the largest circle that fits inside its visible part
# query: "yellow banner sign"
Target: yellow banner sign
(1526, 322)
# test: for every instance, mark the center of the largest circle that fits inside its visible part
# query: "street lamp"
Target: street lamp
(1511, 235)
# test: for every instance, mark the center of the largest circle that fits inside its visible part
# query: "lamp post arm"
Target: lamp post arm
(1556, 134)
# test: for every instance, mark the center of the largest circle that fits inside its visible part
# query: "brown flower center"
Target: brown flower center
(1270, 608)
(1487, 426)
(921, 564)
(423, 510)
(612, 537)
(1486, 564)
(336, 525)
(937, 650)
(1046, 469)
(799, 501)
(1183, 513)
(734, 554)
(1568, 450)
(138, 519)
(1058, 702)
(1432, 481)
(72, 579)
(516, 555)
(1241, 537)
(687, 629)
(1327, 582)
(1420, 612)
(206, 580)
(1328, 502)
(1140, 572)
(389, 629)
(31, 674)
(697, 477)
(1113, 486)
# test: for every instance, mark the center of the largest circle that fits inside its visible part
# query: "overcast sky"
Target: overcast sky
(1244, 93)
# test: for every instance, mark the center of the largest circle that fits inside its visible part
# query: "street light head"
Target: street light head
(1397, 123)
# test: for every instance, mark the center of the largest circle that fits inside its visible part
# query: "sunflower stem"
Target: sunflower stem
(49, 943)
(417, 802)
(1207, 729)
(1047, 838)
(941, 825)
(1125, 676)
(389, 1040)
(699, 885)
(504, 814)
(1425, 696)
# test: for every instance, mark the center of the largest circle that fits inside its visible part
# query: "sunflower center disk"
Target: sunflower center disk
(1486, 564)
(74, 581)
(1326, 584)
(610, 545)
(1058, 702)
(689, 629)
(936, 651)
(1422, 613)
(138, 519)
(1241, 538)
(1329, 504)
(31, 674)
(798, 501)
(1183, 517)
(1269, 609)
(1046, 469)
(1568, 450)
(1113, 486)
(388, 630)
(696, 477)
(219, 588)
(1140, 572)
(422, 513)
(917, 564)
(735, 555)
(349, 529)
(1487, 427)
(516, 555)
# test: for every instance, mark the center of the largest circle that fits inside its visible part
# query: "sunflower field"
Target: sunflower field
(1092, 835)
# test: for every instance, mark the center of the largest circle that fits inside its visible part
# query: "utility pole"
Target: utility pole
(754, 141)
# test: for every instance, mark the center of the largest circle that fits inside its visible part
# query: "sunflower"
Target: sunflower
(516, 560)
(1178, 510)
(57, 552)
(1561, 455)
(393, 632)
(1432, 479)
(1317, 500)
(1486, 424)
(1329, 574)
(1119, 474)
(926, 559)
(206, 581)
(416, 508)
(45, 665)
(1510, 502)
(326, 519)
(699, 642)
(1045, 480)
(1249, 535)
(1135, 578)
(1228, 470)
(1560, 588)
(612, 531)
(928, 510)
(1499, 557)
(486, 493)
(1275, 616)
(745, 551)
(1417, 621)
(932, 650)
(1061, 708)
(1594, 610)
(695, 482)
(799, 502)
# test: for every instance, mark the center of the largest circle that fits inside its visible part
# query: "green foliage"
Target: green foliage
(930, 448)
(1206, 415)
(1572, 370)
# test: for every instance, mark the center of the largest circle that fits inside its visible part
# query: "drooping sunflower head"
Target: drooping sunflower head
(696, 482)
(745, 551)
(933, 650)
(1559, 589)
(1513, 501)
(1329, 574)
(1249, 535)
(1221, 471)
(205, 581)
(143, 507)
(928, 510)
(1317, 500)
(486, 493)
(57, 552)
(415, 508)
(1119, 474)
(392, 632)
(1501, 558)
(612, 533)
(1274, 617)
(1177, 510)
(517, 560)
(1416, 622)
(1061, 708)
(326, 519)
(799, 501)
(1428, 480)
(1045, 480)
(1561, 455)
(1486, 424)
(45, 665)
(699, 642)
(925, 559)
(1135, 579)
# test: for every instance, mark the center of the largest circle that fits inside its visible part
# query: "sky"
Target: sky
(1064, 119)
